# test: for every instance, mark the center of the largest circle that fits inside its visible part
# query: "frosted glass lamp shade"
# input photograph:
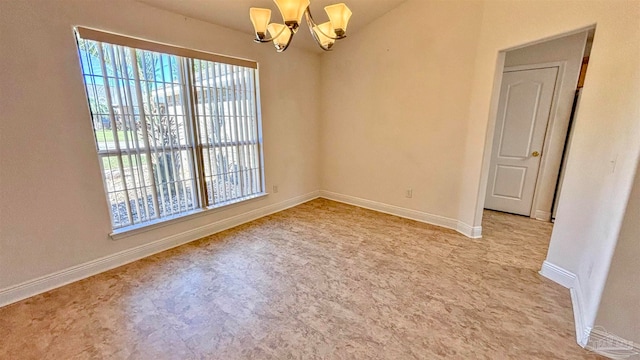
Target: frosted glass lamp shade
(281, 35)
(339, 15)
(260, 19)
(324, 33)
(292, 10)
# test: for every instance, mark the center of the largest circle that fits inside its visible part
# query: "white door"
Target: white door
(521, 124)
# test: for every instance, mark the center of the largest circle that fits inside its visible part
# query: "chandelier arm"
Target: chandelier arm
(288, 42)
(307, 15)
(258, 40)
(312, 23)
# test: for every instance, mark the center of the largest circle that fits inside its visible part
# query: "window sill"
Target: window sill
(132, 230)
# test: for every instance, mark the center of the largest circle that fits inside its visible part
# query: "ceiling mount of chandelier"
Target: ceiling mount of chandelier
(292, 11)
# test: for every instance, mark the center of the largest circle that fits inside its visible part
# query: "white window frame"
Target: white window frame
(247, 144)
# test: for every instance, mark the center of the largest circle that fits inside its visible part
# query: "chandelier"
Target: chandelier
(292, 11)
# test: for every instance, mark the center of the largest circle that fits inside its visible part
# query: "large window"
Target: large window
(176, 130)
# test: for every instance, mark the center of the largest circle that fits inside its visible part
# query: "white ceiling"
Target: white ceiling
(234, 14)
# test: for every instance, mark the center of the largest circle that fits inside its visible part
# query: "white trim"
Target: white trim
(582, 331)
(569, 280)
(48, 282)
(550, 38)
(542, 215)
(474, 232)
(465, 229)
(558, 275)
(586, 336)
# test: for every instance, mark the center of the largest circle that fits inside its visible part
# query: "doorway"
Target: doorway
(532, 124)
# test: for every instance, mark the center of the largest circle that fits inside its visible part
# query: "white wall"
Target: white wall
(619, 310)
(594, 195)
(567, 50)
(394, 108)
(53, 212)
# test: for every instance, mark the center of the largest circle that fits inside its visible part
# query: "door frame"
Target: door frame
(493, 98)
(560, 65)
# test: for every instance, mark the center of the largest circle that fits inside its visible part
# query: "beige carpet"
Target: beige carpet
(322, 280)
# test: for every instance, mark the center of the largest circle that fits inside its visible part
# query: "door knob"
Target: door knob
(535, 154)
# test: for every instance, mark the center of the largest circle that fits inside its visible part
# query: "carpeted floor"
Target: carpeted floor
(322, 280)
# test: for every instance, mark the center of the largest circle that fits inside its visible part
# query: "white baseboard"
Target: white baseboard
(569, 280)
(582, 330)
(48, 282)
(595, 339)
(465, 229)
(558, 275)
(542, 215)
(474, 232)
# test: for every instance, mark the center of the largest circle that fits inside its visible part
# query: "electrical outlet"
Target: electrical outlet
(409, 193)
(275, 189)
